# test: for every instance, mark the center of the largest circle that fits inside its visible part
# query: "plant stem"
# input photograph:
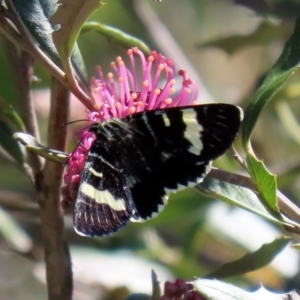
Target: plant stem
(22, 69)
(57, 257)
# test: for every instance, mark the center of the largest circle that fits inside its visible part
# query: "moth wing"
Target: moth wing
(136, 162)
(171, 149)
(103, 204)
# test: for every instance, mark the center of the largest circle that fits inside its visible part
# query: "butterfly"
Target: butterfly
(136, 162)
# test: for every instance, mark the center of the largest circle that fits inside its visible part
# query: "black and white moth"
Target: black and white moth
(136, 162)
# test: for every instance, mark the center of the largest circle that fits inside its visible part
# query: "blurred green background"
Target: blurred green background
(226, 47)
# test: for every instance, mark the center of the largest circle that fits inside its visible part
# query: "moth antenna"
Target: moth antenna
(72, 122)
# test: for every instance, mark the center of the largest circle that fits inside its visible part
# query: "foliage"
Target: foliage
(45, 44)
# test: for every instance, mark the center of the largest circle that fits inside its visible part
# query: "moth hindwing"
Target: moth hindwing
(135, 163)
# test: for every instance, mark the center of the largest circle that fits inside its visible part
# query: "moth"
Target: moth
(136, 162)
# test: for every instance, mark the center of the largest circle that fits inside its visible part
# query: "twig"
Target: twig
(25, 42)
(74, 86)
(22, 72)
(57, 257)
(18, 200)
(237, 157)
(284, 204)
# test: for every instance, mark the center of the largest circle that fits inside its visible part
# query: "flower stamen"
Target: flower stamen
(121, 94)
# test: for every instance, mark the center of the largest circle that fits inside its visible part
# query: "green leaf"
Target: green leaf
(32, 144)
(8, 114)
(8, 143)
(265, 181)
(241, 197)
(252, 261)
(116, 36)
(35, 15)
(263, 35)
(218, 290)
(283, 9)
(263, 294)
(68, 20)
(280, 73)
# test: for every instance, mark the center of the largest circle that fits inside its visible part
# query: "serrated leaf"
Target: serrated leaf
(32, 144)
(282, 70)
(218, 290)
(252, 261)
(69, 19)
(36, 14)
(116, 36)
(8, 143)
(263, 294)
(265, 181)
(239, 196)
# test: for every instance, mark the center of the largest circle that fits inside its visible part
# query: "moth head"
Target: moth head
(94, 127)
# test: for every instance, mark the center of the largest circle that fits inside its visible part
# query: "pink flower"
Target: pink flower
(131, 91)
(180, 290)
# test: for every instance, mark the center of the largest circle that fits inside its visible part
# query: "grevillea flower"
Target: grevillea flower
(126, 91)
(180, 290)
